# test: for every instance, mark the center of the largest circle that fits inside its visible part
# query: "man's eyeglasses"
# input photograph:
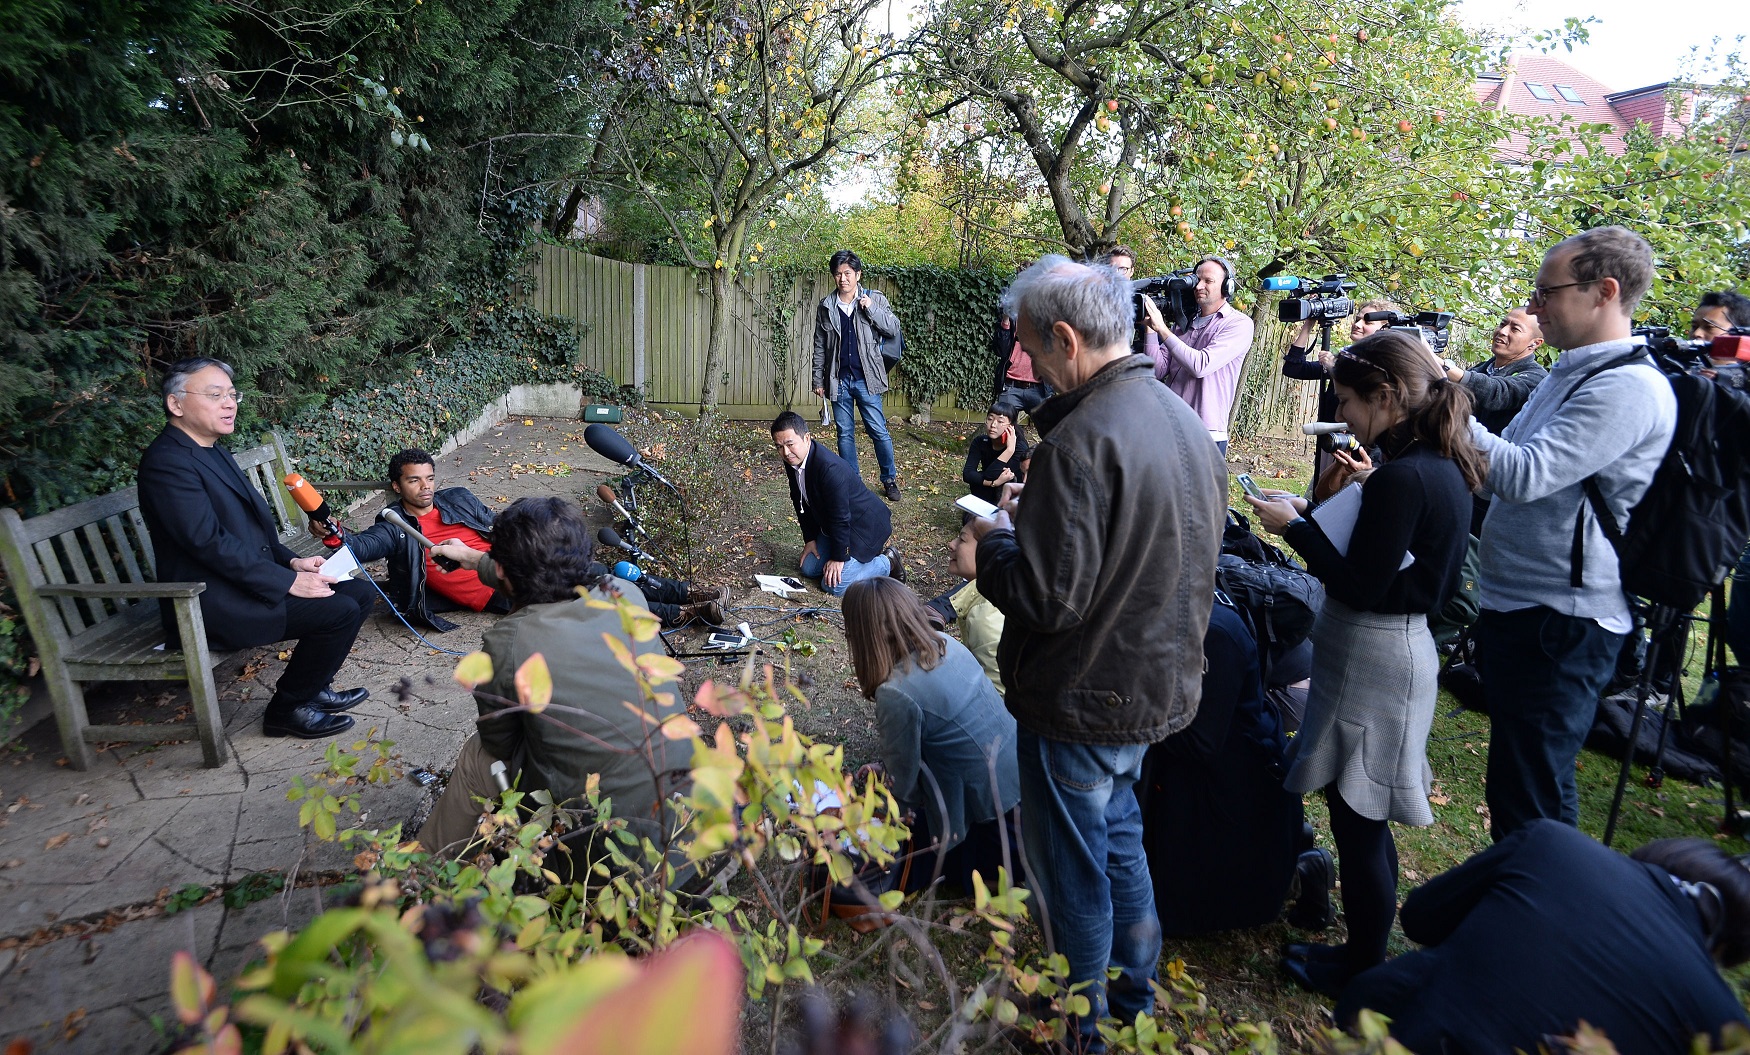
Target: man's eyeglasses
(1540, 294)
(215, 396)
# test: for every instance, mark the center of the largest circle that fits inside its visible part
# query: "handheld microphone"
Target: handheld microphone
(628, 571)
(609, 537)
(1323, 428)
(393, 516)
(611, 445)
(311, 502)
(607, 495)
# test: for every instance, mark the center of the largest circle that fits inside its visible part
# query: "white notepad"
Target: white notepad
(1336, 518)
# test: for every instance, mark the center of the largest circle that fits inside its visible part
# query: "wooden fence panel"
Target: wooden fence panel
(601, 297)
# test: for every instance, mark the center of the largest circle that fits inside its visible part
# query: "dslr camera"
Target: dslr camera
(1434, 327)
(1174, 294)
(1324, 301)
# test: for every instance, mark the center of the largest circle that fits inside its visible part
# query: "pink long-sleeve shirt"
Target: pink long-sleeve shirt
(1203, 365)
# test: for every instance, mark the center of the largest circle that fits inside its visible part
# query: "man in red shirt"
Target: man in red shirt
(455, 514)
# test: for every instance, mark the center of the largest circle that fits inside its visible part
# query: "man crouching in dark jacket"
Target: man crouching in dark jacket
(1105, 580)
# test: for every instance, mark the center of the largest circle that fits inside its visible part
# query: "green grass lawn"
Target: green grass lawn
(748, 526)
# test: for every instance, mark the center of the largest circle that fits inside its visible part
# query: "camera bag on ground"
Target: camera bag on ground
(1691, 523)
(1278, 599)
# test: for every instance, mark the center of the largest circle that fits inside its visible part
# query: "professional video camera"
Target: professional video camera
(1324, 301)
(1173, 294)
(1435, 327)
(1727, 356)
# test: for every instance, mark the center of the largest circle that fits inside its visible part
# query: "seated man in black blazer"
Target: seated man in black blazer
(209, 525)
(844, 528)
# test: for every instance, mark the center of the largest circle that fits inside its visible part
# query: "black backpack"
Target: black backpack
(1691, 523)
(1278, 599)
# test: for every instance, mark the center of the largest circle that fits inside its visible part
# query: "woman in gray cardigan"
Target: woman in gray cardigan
(1365, 733)
(947, 744)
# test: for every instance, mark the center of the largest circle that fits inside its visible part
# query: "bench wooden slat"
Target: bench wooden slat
(100, 547)
(126, 589)
(118, 530)
(61, 521)
(144, 537)
(96, 734)
(48, 554)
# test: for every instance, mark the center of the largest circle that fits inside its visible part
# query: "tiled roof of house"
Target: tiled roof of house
(1538, 85)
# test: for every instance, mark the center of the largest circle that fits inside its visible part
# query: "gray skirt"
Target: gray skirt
(1371, 703)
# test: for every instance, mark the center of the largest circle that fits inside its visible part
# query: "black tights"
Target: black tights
(1368, 859)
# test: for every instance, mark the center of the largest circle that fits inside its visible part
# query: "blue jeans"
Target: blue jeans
(874, 422)
(1083, 830)
(1542, 672)
(853, 570)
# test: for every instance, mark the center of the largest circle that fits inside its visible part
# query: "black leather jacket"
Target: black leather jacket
(1107, 578)
(455, 505)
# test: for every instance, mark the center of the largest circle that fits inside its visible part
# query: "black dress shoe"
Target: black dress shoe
(1320, 977)
(334, 701)
(304, 722)
(1306, 951)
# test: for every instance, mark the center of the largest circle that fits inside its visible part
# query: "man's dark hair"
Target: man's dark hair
(842, 257)
(1737, 306)
(544, 548)
(1121, 250)
(1700, 861)
(1611, 252)
(410, 456)
(177, 375)
(790, 421)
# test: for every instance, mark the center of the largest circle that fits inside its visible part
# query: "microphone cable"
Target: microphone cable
(366, 576)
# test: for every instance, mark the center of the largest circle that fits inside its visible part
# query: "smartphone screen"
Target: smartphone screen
(1248, 486)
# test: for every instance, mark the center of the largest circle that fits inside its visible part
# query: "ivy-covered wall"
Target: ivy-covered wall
(948, 315)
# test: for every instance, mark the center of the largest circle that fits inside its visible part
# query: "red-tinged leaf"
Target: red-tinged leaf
(534, 683)
(228, 1042)
(621, 652)
(185, 988)
(680, 727)
(660, 668)
(720, 700)
(685, 1000)
(474, 669)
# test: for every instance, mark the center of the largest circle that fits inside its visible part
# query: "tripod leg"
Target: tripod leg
(1643, 684)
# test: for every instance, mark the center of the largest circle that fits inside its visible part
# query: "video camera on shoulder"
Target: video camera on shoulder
(1727, 355)
(1174, 294)
(1434, 327)
(1324, 301)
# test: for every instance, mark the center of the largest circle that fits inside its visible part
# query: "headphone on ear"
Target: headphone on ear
(1229, 285)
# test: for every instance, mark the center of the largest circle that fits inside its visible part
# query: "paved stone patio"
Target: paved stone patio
(87, 860)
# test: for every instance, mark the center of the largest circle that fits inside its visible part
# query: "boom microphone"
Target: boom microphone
(1323, 428)
(609, 537)
(393, 516)
(607, 495)
(611, 445)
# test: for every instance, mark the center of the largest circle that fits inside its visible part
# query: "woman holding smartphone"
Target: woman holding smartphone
(1372, 698)
(998, 455)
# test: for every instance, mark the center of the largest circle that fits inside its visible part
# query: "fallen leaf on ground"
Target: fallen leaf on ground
(56, 842)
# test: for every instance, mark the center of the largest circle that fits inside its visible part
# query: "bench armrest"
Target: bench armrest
(126, 590)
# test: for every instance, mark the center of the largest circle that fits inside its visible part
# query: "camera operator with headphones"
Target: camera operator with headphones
(1202, 363)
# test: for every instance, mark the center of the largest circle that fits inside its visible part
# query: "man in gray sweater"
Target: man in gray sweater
(1554, 613)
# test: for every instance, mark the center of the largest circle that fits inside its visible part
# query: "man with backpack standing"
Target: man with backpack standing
(1553, 608)
(850, 326)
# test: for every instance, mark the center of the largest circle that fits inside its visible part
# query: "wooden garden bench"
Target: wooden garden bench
(84, 576)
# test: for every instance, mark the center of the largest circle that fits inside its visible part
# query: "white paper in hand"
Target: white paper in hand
(1337, 516)
(342, 565)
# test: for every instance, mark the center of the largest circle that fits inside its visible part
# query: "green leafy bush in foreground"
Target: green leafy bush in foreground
(494, 952)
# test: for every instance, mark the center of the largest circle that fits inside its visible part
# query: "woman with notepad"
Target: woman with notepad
(1388, 547)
